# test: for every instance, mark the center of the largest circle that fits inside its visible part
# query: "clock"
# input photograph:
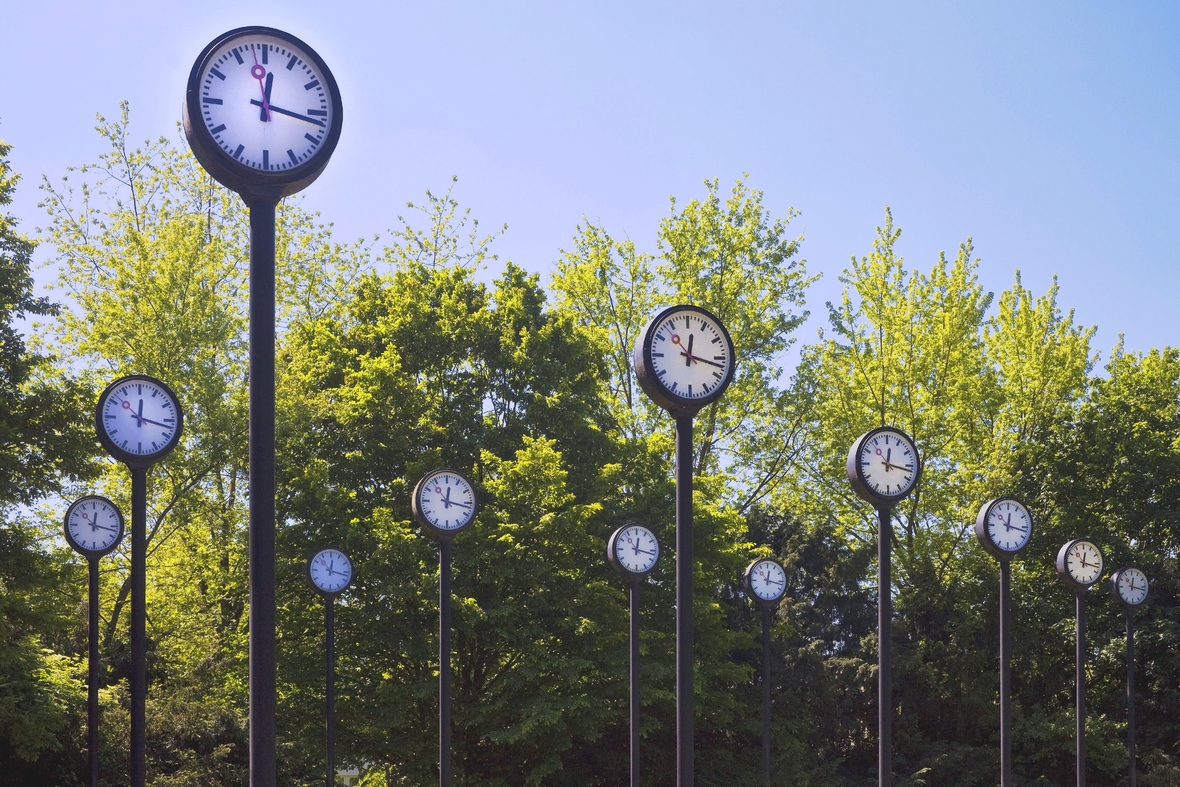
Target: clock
(1079, 563)
(684, 359)
(1003, 527)
(883, 466)
(444, 502)
(633, 550)
(1129, 585)
(139, 420)
(766, 580)
(262, 112)
(94, 526)
(329, 571)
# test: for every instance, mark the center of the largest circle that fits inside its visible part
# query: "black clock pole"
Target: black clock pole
(330, 685)
(1005, 678)
(884, 649)
(684, 610)
(634, 588)
(262, 491)
(1131, 697)
(1080, 681)
(138, 627)
(94, 673)
(444, 662)
(765, 695)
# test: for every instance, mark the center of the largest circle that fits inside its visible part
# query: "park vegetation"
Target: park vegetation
(418, 348)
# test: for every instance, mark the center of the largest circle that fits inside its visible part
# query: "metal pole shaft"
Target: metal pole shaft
(444, 663)
(884, 650)
(1005, 679)
(1131, 698)
(765, 695)
(1080, 682)
(330, 684)
(93, 679)
(684, 571)
(262, 493)
(635, 683)
(138, 628)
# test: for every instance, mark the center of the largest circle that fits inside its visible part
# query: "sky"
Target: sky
(1046, 132)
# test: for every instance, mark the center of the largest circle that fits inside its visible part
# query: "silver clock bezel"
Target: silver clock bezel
(137, 461)
(86, 551)
(420, 517)
(984, 535)
(855, 472)
(317, 588)
(1118, 596)
(613, 558)
(747, 581)
(650, 382)
(1063, 571)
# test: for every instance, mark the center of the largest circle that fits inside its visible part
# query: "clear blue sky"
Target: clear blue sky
(1049, 132)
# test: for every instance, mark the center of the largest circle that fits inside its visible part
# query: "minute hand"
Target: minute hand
(289, 113)
(702, 360)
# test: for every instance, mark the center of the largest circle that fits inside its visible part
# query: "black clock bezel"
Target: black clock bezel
(137, 461)
(249, 182)
(421, 519)
(1118, 597)
(93, 553)
(985, 537)
(856, 473)
(317, 588)
(1063, 572)
(651, 383)
(613, 558)
(749, 587)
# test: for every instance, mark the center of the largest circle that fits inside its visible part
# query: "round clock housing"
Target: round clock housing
(444, 502)
(93, 525)
(633, 550)
(684, 359)
(1003, 527)
(1079, 563)
(262, 112)
(1129, 587)
(883, 466)
(329, 571)
(139, 420)
(766, 580)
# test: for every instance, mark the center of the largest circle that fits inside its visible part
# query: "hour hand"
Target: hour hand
(289, 113)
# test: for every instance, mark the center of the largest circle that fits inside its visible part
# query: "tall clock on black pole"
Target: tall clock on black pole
(1129, 586)
(883, 467)
(139, 421)
(94, 527)
(1079, 564)
(766, 582)
(330, 572)
(262, 114)
(1004, 527)
(684, 360)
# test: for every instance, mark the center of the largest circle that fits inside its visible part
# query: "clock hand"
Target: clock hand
(288, 113)
(270, 78)
(691, 336)
(258, 72)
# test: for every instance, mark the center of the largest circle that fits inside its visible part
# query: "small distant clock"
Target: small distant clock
(444, 502)
(330, 571)
(883, 466)
(1003, 527)
(1129, 587)
(633, 550)
(684, 359)
(139, 420)
(766, 580)
(1079, 564)
(94, 526)
(262, 112)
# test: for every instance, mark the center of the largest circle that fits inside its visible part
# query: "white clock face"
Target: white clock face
(1009, 525)
(330, 570)
(636, 549)
(768, 581)
(94, 524)
(690, 354)
(1083, 561)
(1132, 586)
(265, 103)
(139, 417)
(888, 463)
(446, 500)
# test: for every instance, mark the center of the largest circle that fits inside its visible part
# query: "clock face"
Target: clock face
(444, 500)
(685, 358)
(766, 579)
(1008, 524)
(94, 525)
(1131, 586)
(635, 549)
(1083, 562)
(883, 464)
(330, 571)
(138, 419)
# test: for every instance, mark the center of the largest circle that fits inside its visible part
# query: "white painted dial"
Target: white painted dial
(265, 102)
(888, 463)
(330, 571)
(691, 356)
(1009, 525)
(1132, 586)
(446, 500)
(93, 525)
(1083, 562)
(767, 580)
(139, 417)
(636, 549)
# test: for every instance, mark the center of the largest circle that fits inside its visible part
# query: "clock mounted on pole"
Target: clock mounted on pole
(262, 114)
